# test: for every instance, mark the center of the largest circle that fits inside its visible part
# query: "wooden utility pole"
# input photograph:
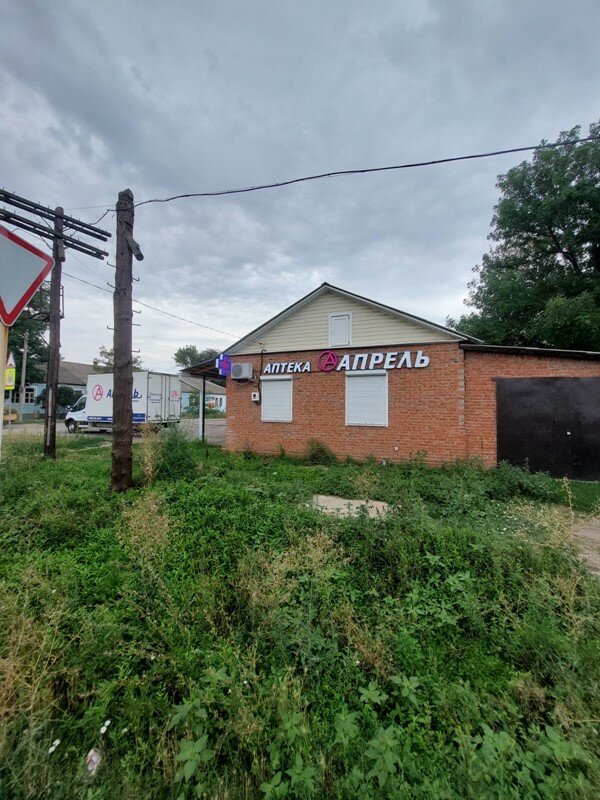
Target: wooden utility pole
(122, 447)
(58, 253)
(60, 240)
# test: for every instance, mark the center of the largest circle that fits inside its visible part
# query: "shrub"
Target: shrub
(318, 453)
(176, 456)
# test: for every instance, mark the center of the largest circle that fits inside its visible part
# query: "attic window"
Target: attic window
(340, 330)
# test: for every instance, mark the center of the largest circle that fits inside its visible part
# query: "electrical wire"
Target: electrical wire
(101, 217)
(139, 302)
(337, 173)
(89, 208)
(153, 308)
(183, 319)
(364, 171)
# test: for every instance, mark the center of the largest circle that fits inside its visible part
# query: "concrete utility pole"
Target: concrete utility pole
(122, 446)
(23, 374)
(58, 253)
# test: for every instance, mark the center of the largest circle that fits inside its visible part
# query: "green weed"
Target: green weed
(240, 645)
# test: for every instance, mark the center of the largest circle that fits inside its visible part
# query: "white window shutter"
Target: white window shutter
(340, 330)
(367, 399)
(276, 400)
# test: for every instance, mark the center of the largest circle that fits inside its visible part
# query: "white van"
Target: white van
(156, 398)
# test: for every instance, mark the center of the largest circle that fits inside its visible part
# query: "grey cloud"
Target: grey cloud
(168, 98)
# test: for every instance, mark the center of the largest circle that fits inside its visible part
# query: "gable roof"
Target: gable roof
(71, 373)
(196, 383)
(328, 287)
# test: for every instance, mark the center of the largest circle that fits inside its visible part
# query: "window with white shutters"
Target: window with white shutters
(340, 330)
(276, 399)
(367, 398)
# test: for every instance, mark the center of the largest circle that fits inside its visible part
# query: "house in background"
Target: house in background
(368, 380)
(216, 395)
(70, 373)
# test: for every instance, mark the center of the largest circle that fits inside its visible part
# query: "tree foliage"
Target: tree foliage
(539, 285)
(65, 396)
(34, 322)
(105, 361)
(189, 354)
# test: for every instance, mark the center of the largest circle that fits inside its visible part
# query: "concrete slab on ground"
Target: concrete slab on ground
(214, 430)
(342, 507)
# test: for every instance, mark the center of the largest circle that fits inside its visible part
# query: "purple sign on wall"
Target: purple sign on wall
(223, 364)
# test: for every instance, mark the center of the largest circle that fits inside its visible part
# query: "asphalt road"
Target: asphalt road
(214, 429)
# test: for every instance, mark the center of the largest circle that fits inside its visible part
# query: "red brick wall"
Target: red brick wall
(481, 370)
(425, 410)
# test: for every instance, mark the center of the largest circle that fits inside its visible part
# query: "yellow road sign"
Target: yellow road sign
(10, 373)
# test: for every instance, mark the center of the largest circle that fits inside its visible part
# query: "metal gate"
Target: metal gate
(550, 425)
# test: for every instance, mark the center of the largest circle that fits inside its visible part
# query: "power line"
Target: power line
(139, 302)
(90, 208)
(337, 173)
(364, 171)
(153, 308)
(93, 271)
(101, 217)
(183, 319)
(81, 280)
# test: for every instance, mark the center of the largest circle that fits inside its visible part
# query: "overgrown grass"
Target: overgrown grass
(244, 646)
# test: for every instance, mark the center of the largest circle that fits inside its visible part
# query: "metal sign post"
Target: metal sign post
(3, 352)
(23, 269)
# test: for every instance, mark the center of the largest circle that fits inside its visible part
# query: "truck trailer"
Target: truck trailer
(156, 399)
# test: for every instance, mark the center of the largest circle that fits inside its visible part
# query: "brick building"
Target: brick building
(369, 380)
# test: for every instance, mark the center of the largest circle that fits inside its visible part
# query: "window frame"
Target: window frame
(334, 316)
(78, 401)
(364, 374)
(270, 379)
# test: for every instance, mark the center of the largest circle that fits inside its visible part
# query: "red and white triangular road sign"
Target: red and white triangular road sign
(23, 269)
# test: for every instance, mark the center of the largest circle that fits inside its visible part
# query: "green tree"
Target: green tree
(105, 361)
(189, 354)
(539, 285)
(65, 396)
(34, 321)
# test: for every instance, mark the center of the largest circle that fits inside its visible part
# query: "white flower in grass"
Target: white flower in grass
(53, 746)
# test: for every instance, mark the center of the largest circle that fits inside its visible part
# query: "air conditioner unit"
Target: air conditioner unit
(241, 372)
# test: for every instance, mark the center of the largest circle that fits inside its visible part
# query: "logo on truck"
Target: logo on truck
(97, 392)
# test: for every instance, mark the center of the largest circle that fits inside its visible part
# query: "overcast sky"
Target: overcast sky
(166, 97)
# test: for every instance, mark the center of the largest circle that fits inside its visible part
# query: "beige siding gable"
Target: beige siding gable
(307, 328)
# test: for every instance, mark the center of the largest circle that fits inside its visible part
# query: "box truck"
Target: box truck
(156, 398)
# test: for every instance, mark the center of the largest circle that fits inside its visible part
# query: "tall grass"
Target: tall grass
(244, 646)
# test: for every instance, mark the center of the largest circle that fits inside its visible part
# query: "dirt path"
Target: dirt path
(587, 536)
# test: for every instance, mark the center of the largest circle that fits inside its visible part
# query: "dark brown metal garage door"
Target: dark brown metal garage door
(550, 425)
